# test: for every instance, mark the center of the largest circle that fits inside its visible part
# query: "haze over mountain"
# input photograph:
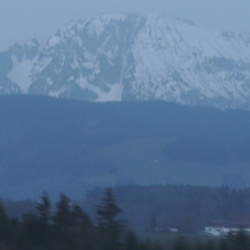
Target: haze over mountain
(133, 58)
(40, 19)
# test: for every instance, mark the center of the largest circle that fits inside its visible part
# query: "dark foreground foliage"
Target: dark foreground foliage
(239, 241)
(68, 227)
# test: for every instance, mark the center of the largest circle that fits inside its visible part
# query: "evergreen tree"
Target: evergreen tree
(5, 233)
(43, 219)
(63, 221)
(80, 217)
(32, 235)
(44, 209)
(63, 216)
(110, 227)
(108, 211)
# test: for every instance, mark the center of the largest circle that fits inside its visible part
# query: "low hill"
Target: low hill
(56, 145)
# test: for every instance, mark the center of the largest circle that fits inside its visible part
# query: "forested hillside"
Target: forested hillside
(59, 145)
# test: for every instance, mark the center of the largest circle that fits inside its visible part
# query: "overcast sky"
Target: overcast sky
(21, 20)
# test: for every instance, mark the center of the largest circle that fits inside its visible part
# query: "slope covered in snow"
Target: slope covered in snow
(133, 57)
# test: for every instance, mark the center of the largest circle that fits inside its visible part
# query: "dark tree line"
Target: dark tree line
(66, 226)
(188, 208)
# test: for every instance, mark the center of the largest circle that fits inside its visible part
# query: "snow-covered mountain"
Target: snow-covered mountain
(133, 57)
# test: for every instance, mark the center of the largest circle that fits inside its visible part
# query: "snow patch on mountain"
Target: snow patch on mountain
(53, 41)
(113, 95)
(98, 24)
(20, 73)
(58, 93)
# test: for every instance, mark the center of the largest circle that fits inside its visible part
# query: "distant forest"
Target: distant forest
(47, 142)
(188, 208)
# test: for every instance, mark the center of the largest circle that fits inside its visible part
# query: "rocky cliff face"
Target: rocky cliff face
(133, 57)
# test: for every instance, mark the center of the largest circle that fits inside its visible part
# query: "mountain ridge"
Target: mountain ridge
(127, 57)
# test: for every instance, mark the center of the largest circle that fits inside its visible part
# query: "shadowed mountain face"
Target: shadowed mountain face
(133, 57)
(56, 145)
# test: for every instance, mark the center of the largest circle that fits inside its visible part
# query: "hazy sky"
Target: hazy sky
(21, 20)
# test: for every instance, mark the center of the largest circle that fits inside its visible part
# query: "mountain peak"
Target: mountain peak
(116, 57)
